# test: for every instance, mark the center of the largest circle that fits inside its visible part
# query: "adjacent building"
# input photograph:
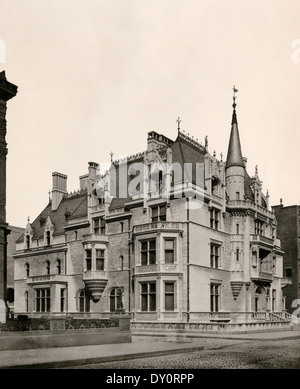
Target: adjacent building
(190, 239)
(7, 91)
(288, 219)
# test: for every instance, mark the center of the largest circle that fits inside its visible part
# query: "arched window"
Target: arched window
(26, 301)
(115, 299)
(48, 267)
(84, 301)
(48, 238)
(27, 269)
(58, 265)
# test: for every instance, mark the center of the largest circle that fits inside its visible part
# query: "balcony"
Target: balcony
(95, 281)
(94, 238)
(157, 226)
(262, 240)
(247, 204)
(159, 267)
(285, 281)
(261, 276)
(47, 279)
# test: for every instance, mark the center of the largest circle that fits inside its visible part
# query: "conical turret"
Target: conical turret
(235, 165)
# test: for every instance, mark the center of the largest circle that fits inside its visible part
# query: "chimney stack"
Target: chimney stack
(59, 189)
(93, 166)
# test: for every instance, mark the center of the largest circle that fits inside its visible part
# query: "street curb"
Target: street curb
(112, 358)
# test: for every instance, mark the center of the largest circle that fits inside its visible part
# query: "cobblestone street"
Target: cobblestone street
(283, 354)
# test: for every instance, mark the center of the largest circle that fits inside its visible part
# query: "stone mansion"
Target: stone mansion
(161, 259)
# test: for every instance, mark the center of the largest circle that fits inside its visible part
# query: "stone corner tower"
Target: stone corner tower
(7, 91)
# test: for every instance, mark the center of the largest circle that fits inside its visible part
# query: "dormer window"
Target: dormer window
(27, 242)
(48, 238)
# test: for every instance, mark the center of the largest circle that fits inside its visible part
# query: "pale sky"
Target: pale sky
(96, 76)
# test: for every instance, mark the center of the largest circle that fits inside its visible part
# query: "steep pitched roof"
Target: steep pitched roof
(74, 206)
(234, 153)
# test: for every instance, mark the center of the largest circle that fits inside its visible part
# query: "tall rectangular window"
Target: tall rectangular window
(237, 229)
(214, 218)
(88, 259)
(169, 296)
(148, 296)
(99, 225)
(237, 254)
(148, 252)
(62, 300)
(42, 300)
(169, 251)
(159, 213)
(214, 297)
(214, 255)
(100, 258)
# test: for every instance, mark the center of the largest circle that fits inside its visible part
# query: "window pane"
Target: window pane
(88, 264)
(144, 303)
(112, 307)
(169, 257)
(169, 287)
(152, 287)
(169, 244)
(169, 302)
(152, 244)
(144, 288)
(144, 258)
(152, 257)
(152, 306)
(144, 246)
(88, 253)
(155, 213)
(163, 210)
(99, 264)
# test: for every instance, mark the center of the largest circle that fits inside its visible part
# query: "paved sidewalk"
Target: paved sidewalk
(70, 356)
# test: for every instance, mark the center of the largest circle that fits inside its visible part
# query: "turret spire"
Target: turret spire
(234, 154)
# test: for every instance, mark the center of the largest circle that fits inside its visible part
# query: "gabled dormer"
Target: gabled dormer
(48, 232)
(28, 235)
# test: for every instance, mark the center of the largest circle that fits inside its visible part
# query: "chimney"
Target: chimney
(59, 189)
(83, 181)
(93, 166)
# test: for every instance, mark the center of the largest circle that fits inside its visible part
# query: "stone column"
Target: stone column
(7, 91)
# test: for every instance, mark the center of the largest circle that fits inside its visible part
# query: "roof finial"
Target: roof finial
(256, 169)
(214, 154)
(111, 156)
(221, 155)
(206, 142)
(178, 126)
(234, 96)
(28, 219)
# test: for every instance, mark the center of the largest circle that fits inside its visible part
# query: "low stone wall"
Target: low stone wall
(63, 332)
(185, 330)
